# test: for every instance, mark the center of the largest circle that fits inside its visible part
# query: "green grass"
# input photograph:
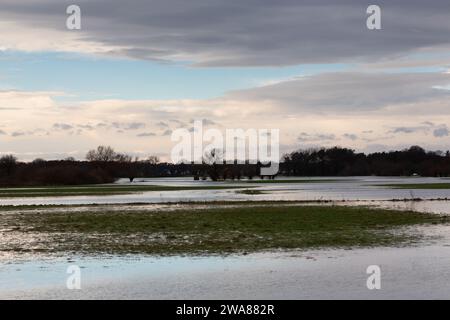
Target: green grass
(211, 231)
(102, 190)
(431, 186)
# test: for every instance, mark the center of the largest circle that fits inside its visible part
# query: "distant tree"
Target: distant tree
(38, 161)
(70, 159)
(101, 154)
(417, 150)
(153, 160)
(213, 160)
(213, 156)
(343, 162)
(8, 163)
(122, 157)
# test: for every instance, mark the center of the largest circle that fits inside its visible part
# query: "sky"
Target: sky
(137, 70)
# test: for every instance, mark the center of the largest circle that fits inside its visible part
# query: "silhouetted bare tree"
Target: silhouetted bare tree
(8, 164)
(101, 154)
(153, 160)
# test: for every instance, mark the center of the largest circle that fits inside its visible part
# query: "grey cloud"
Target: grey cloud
(162, 124)
(76, 132)
(441, 132)
(305, 137)
(176, 121)
(350, 136)
(62, 126)
(168, 132)
(18, 134)
(408, 129)
(86, 126)
(9, 109)
(438, 131)
(350, 91)
(205, 122)
(2, 132)
(122, 126)
(134, 126)
(378, 138)
(146, 134)
(326, 137)
(208, 122)
(248, 33)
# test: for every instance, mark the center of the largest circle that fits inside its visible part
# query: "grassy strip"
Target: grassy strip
(424, 186)
(248, 203)
(218, 231)
(250, 192)
(97, 190)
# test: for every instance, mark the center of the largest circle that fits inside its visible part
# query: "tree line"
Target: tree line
(104, 165)
(346, 162)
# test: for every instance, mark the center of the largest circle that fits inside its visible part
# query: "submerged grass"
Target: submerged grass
(295, 181)
(102, 190)
(213, 231)
(431, 186)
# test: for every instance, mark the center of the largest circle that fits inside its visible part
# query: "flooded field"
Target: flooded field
(417, 270)
(372, 190)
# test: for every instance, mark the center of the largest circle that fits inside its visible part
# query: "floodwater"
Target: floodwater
(419, 272)
(414, 272)
(352, 189)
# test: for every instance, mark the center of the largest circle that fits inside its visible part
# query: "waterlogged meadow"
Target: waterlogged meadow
(220, 230)
(427, 194)
(172, 225)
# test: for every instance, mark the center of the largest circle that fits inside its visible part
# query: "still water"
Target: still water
(419, 272)
(354, 190)
(416, 272)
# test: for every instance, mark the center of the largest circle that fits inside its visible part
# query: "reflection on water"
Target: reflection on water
(417, 272)
(349, 189)
(409, 273)
(435, 206)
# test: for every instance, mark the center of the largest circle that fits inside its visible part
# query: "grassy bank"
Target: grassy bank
(218, 231)
(101, 190)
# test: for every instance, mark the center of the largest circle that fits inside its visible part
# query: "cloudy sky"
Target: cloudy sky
(137, 70)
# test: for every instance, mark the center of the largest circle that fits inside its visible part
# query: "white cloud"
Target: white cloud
(328, 108)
